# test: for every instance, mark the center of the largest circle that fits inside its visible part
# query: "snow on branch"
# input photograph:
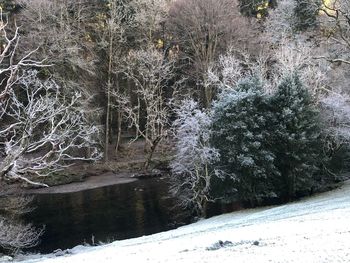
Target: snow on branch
(192, 176)
(9, 64)
(337, 116)
(152, 76)
(14, 234)
(41, 130)
(335, 23)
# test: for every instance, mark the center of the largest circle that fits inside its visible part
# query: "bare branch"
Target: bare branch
(46, 133)
(151, 74)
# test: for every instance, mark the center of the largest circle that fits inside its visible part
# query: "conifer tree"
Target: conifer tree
(305, 13)
(240, 133)
(296, 137)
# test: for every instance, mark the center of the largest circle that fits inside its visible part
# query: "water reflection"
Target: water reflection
(105, 214)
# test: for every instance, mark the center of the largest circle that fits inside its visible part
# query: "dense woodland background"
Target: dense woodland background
(249, 98)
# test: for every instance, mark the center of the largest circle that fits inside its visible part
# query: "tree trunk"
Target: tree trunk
(291, 185)
(109, 86)
(108, 108)
(119, 131)
(204, 209)
(151, 152)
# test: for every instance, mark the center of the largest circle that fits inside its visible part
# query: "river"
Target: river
(105, 214)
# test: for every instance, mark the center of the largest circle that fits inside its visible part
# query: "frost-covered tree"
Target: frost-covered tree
(281, 20)
(41, 130)
(14, 233)
(191, 168)
(335, 24)
(202, 29)
(241, 133)
(292, 16)
(146, 108)
(337, 116)
(296, 136)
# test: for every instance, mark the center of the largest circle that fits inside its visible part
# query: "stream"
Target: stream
(105, 214)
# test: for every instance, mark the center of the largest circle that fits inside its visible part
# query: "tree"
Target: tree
(335, 116)
(149, 17)
(201, 29)
(115, 27)
(280, 23)
(124, 25)
(306, 12)
(296, 139)
(9, 6)
(61, 33)
(255, 8)
(42, 131)
(59, 30)
(291, 17)
(335, 24)
(192, 173)
(10, 64)
(152, 76)
(241, 133)
(14, 234)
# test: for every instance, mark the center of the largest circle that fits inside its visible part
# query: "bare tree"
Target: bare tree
(124, 25)
(58, 29)
(150, 16)
(202, 29)
(10, 64)
(336, 114)
(280, 22)
(42, 131)
(332, 36)
(192, 176)
(116, 25)
(14, 234)
(152, 76)
(335, 23)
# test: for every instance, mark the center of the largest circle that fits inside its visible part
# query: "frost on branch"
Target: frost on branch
(153, 77)
(14, 234)
(337, 116)
(42, 131)
(192, 175)
(9, 64)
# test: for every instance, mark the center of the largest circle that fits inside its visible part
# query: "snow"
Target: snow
(316, 229)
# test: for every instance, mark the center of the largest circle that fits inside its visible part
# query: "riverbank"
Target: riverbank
(315, 229)
(126, 167)
(90, 176)
(91, 182)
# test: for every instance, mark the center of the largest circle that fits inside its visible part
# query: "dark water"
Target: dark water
(105, 214)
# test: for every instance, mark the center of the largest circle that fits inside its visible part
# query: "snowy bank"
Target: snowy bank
(316, 229)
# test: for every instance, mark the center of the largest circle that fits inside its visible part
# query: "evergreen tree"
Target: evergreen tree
(296, 137)
(256, 8)
(8, 7)
(305, 13)
(240, 133)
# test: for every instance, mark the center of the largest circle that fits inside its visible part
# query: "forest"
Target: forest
(238, 99)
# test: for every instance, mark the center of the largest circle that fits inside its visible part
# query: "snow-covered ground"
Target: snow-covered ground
(312, 230)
